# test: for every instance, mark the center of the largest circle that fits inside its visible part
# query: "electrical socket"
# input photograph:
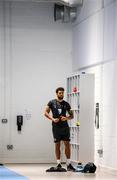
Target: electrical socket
(100, 152)
(4, 121)
(10, 147)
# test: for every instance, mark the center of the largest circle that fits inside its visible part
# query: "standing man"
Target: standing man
(59, 109)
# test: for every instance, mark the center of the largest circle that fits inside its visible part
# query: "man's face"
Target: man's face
(60, 95)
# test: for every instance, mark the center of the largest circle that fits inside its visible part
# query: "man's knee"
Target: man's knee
(67, 144)
(57, 145)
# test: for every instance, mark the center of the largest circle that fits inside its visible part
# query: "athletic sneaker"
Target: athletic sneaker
(59, 166)
(70, 168)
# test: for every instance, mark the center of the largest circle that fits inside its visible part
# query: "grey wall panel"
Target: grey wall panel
(115, 21)
(88, 42)
(109, 32)
(107, 2)
(89, 8)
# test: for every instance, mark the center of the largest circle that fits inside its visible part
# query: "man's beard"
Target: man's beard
(60, 98)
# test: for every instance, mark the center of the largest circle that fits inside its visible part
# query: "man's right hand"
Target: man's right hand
(55, 120)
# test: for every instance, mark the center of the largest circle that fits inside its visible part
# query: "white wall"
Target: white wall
(89, 8)
(107, 2)
(110, 115)
(1, 70)
(88, 41)
(95, 51)
(105, 94)
(94, 33)
(38, 59)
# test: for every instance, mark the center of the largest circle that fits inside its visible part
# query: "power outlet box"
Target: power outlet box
(4, 121)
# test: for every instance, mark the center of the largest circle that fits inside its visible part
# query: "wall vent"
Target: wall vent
(65, 13)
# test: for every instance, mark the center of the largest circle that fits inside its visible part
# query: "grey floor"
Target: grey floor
(38, 171)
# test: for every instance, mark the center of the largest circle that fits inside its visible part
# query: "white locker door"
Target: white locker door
(86, 150)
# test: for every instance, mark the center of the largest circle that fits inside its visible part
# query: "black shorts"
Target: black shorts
(61, 134)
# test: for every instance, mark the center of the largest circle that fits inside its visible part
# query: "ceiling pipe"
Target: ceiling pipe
(72, 3)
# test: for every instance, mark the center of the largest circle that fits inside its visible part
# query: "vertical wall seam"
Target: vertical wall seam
(10, 71)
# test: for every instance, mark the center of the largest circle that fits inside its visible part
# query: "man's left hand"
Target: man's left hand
(63, 118)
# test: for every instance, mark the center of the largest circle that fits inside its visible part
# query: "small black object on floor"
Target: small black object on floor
(56, 169)
(89, 168)
(1, 164)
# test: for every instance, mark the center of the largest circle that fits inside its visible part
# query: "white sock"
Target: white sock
(68, 161)
(58, 161)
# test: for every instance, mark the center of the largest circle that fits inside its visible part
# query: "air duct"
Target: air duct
(65, 13)
(64, 10)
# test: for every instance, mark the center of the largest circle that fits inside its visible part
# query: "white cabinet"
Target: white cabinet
(80, 95)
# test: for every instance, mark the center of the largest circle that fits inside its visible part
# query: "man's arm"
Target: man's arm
(47, 111)
(69, 117)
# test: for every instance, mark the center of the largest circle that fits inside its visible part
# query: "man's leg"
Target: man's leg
(67, 151)
(56, 135)
(57, 150)
(68, 154)
(58, 153)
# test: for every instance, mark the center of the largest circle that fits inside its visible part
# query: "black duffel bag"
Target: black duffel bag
(89, 168)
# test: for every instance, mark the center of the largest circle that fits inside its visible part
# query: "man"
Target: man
(60, 128)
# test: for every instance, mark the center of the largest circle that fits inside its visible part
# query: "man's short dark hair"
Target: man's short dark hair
(59, 89)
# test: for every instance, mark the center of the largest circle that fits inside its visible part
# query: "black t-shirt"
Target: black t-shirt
(59, 109)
